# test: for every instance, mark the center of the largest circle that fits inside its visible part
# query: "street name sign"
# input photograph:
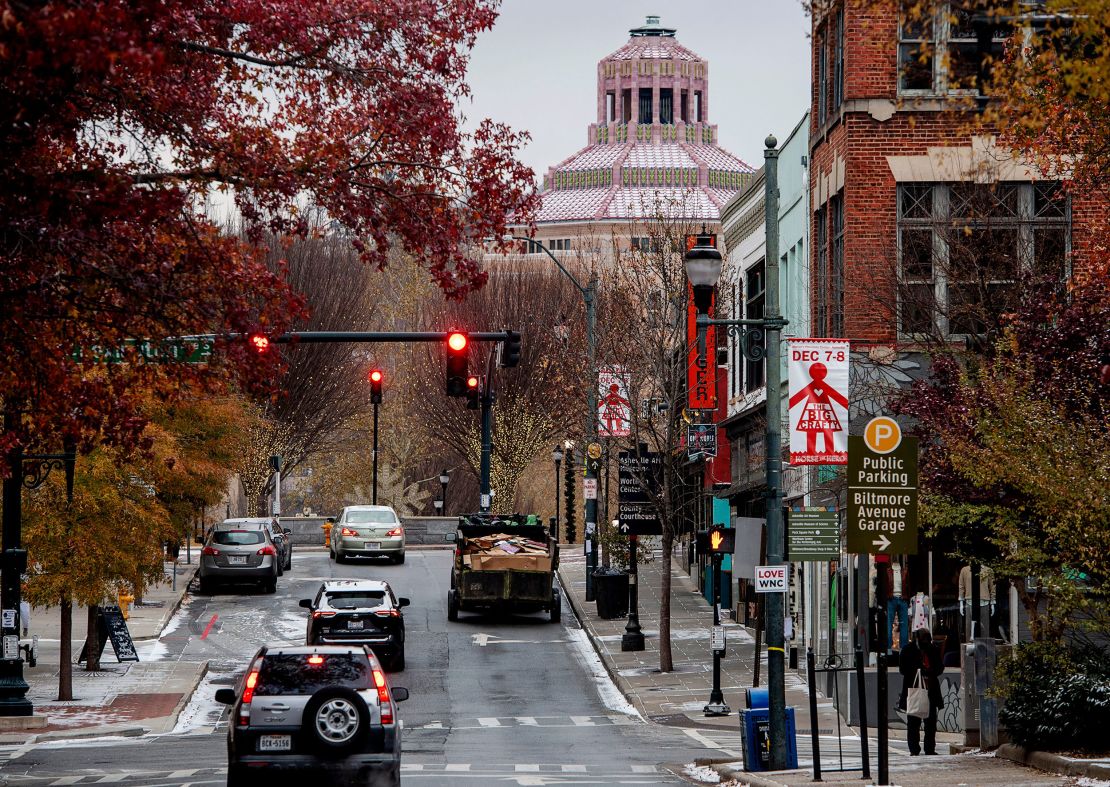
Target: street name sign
(197, 349)
(882, 490)
(770, 579)
(637, 513)
(812, 534)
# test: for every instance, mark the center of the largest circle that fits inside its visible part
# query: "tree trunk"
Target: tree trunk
(92, 636)
(666, 660)
(65, 650)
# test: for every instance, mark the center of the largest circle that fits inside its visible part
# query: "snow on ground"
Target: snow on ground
(702, 773)
(1085, 781)
(588, 658)
(202, 711)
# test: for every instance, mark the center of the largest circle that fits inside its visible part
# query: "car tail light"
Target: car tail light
(348, 532)
(266, 550)
(323, 614)
(316, 661)
(383, 697)
(248, 695)
(388, 613)
(210, 551)
(395, 532)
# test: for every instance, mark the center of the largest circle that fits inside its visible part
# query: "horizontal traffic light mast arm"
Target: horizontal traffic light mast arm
(310, 337)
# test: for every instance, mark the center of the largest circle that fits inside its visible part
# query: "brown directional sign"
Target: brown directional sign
(812, 534)
(882, 490)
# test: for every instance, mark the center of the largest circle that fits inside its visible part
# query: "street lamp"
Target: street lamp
(444, 478)
(703, 268)
(590, 509)
(633, 637)
(557, 455)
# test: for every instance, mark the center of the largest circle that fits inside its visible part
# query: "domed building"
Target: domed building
(651, 152)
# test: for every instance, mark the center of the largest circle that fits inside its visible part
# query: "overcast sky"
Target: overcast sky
(537, 69)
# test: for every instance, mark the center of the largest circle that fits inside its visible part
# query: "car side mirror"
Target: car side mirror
(400, 694)
(225, 696)
(449, 537)
(403, 602)
(306, 603)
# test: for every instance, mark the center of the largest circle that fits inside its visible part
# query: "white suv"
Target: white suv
(368, 531)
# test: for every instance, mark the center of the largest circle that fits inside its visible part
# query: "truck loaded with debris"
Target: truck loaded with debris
(503, 563)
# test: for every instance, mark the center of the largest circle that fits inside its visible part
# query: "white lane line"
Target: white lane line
(574, 769)
(523, 768)
(527, 721)
(412, 766)
(643, 769)
(490, 722)
(711, 744)
(112, 778)
(583, 721)
(457, 767)
(183, 774)
(66, 780)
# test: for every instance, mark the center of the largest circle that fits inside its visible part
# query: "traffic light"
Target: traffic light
(510, 350)
(717, 540)
(376, 378)
(259, 342)
(458, 349)
(473, 392)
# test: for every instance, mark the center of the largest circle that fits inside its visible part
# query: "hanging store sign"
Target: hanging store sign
(701, 368)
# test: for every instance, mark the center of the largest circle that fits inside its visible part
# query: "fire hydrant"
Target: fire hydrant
(125, 600)
(326, 527)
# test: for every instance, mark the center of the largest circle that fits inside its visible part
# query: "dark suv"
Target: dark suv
(360, 611)
(326, 710)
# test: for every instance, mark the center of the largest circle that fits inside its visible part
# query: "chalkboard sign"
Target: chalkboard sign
(111, 625)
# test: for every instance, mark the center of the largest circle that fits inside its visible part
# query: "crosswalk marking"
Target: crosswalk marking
(489, 722)
(498, 722)
(582, 721)
(457, 767)
(527, 721)
(574, 769)
(521, 768)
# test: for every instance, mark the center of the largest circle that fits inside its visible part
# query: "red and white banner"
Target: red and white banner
(614, 412)
(818, 371)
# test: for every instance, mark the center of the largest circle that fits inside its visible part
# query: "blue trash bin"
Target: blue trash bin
(754, 728)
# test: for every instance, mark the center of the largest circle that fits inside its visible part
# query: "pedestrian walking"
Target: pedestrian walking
(920, 665)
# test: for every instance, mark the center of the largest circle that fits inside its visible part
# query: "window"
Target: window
(292, 674)
(666, 106)
(822, 81)
(756, 287)
(963, 247)
(682, 107)
(238, 538)
(838, 62)
(370, 518)
(836, 268)
(737, 314)
(697, 106)
(610, 106)
(647, 244)
(645, 106)
(938, 52)
(821, 271)
(626, 105)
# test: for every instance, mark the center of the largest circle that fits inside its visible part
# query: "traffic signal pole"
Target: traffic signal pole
(590, 508)
(374, 494)
(487, 398)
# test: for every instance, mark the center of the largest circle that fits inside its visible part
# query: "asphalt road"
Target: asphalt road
(514, 700)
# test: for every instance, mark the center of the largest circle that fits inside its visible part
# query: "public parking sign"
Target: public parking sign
(770, 579)
(882, 490)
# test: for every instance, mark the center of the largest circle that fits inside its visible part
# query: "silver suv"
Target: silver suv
(238, 554)
(326, 710)
(368, 531)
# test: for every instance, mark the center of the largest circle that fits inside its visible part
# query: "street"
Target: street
(508, 700)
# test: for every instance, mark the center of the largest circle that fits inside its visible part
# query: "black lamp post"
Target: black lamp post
(703, 268)
(633, 637)
(13, 561)
(444, 479)
(557, 455)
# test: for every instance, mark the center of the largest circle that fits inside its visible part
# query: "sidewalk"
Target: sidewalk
(131, 698)
(677, 698)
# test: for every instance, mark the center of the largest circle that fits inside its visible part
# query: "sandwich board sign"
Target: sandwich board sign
(882, 490)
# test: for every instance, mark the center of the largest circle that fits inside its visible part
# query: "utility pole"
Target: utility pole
(487, 399)
(590, 507)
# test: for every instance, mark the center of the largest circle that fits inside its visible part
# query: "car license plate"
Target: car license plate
(275, 743)
(354, 624)
(373, 544)
(237, 560)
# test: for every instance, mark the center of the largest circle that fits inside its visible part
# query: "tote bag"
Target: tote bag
(917, 698)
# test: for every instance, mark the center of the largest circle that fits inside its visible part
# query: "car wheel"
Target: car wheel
(270, 586)
(289, 562)
(336, 720)
(207, 587)
(399, 559)
(280, 569)
(556, 606)
(237, 776)
(397, 663)
(452, 605)
(340, 557)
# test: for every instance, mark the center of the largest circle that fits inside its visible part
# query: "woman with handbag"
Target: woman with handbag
(920, 665)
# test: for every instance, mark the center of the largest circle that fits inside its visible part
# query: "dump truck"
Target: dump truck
(503, 564)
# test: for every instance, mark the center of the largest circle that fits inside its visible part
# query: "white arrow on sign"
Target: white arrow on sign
(625, 528)
(882, 542)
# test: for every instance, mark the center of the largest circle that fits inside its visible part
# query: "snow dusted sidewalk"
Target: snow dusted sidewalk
(130, 698)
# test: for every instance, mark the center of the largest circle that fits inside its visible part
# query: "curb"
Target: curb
(185, 697)
(167, 616)
(1054, 763)
(93, 732)
(609, 668)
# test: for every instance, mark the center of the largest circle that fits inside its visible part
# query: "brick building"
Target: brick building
(921, 229)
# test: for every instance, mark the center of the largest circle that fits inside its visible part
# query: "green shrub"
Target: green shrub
(1056, 699)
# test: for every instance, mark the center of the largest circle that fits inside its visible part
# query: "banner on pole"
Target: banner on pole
(614, 410)
(701, 368)
(818, 371)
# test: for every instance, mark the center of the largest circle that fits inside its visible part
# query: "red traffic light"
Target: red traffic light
(260, 342)
(471, 382)
(457, 341)
(376, 376)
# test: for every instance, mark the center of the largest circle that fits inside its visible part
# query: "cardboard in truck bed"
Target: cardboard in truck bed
(510, 562)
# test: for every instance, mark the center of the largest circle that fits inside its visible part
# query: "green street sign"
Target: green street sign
(812, 534)
(882, 490)
(196, 349)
